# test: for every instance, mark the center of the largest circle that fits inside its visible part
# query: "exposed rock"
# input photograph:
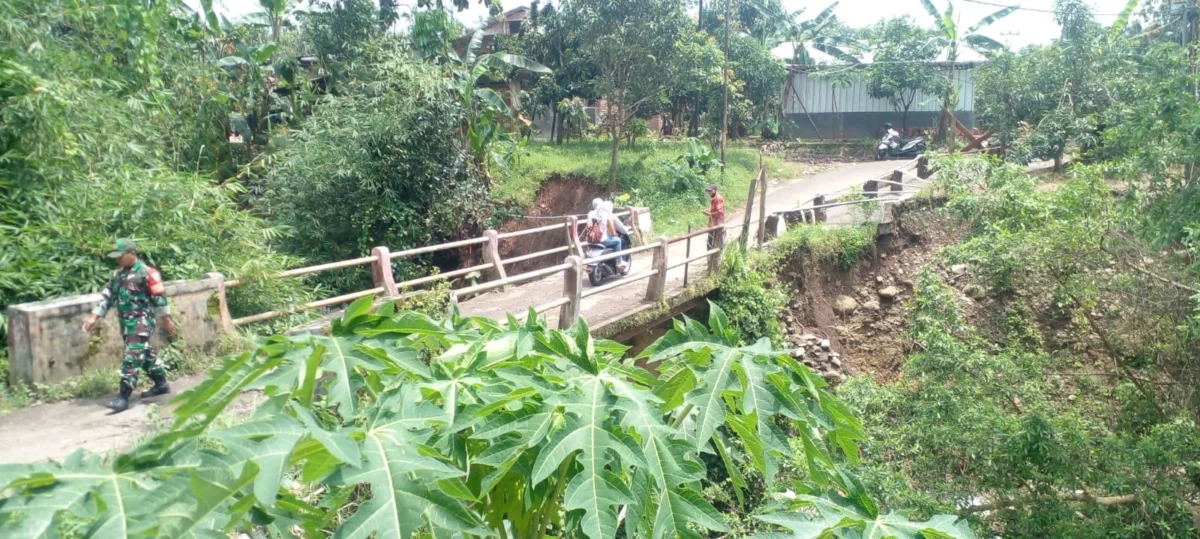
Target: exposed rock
(889, 293)
(883, 255)
(958, 269)
(908, 283)
(824, 344)
(975, 292)
(836, 362)
(798, 353)
(833, 377)
(871, 305)
(879, 279)
(844, 305)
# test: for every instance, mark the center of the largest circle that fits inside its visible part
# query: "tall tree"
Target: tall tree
(950, 39)
(903, 65)
(632, 43)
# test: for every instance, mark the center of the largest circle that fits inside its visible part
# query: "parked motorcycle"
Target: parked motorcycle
(893, 148)
(599, 272)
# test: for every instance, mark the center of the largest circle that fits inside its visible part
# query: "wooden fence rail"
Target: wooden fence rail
(385, 285)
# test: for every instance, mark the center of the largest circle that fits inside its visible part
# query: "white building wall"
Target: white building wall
(819, 96)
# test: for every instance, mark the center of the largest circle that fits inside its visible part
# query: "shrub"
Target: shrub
(377, 167)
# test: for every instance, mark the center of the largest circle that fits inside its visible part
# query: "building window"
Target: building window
(514, 27)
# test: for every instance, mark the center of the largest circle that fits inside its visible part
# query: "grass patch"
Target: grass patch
(652, 174)
(826, 243)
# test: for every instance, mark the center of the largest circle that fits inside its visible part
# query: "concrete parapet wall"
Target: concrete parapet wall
(46, 343)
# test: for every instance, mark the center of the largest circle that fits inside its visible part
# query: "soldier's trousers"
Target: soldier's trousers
(139, 355)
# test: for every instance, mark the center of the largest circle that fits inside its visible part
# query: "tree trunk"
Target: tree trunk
(700, 17)
(553, 121)
(616, 150)
(562, 124)
(725, 78)
(694, 124)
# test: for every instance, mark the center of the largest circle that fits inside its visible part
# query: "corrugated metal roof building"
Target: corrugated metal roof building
(817, 107)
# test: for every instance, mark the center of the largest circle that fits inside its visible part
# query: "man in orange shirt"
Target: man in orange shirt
(715, 213)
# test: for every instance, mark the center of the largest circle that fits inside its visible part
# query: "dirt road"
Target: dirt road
(53, 431)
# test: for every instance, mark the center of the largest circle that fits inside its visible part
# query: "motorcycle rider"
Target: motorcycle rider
(891, 135)
(614, 230)
(618, 229)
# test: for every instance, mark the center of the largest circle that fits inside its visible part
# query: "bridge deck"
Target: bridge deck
(612, 305)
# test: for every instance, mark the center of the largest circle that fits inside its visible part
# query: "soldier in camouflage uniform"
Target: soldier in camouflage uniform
(138, 291)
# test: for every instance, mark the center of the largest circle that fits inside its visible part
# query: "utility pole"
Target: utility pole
(725, 84)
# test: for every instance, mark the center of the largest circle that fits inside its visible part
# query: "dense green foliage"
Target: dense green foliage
(100, 141)
(1065, 406)
(396, 424)
(374, 167)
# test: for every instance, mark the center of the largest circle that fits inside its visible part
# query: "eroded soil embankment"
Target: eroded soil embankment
(559, 195)
(854, 320)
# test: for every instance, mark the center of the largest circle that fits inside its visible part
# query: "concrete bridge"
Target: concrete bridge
(46, 346)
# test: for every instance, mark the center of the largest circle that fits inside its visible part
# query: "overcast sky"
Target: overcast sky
(1021, 28)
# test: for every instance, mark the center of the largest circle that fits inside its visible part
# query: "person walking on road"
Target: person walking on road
(138, 291)
(715, 213)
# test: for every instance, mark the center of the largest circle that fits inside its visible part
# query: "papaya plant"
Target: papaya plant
(398, 425)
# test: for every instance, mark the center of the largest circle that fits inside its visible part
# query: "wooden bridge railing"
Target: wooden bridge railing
(385, 285)
(814, 210)
(573, 293)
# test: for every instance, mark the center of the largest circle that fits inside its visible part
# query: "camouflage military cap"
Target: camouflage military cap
(124, 245)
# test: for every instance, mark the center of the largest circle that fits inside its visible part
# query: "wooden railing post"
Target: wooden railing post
(573, 236)
(898, 180)
(657, 285)
(762, 204)
(776, 226)
(637, 229)
(381, 271)
(923, 167)
(818, 212)
(871, 188)
(227, 326)
(749, 213)
(714, 260)
(491, 254)
(573, 291)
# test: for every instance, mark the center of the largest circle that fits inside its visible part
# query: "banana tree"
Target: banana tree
(483, 108)
(949, 39)
(816, 34)
(776, 26)
(271, 14)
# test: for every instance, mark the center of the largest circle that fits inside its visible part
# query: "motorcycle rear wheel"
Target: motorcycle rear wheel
(596, 277)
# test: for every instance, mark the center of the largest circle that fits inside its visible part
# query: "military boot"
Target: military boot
(161, 387)
(121, 403)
